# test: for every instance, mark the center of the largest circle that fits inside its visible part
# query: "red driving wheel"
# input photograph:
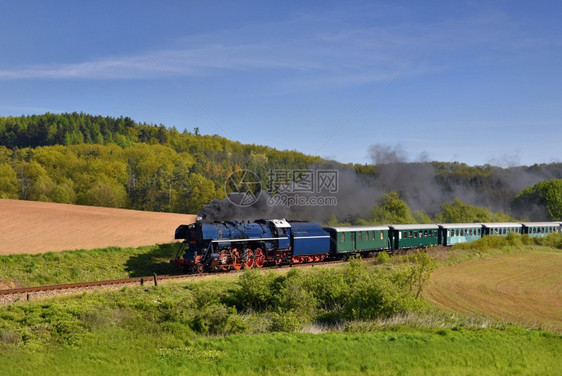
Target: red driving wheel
(248, 259)
(259, 258)
(224, 259)
(235, 259)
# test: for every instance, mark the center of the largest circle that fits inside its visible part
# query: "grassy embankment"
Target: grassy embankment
(114, 263)
(193, 329)
(85, 265)
(365, 318)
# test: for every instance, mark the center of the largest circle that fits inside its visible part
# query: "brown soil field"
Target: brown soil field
(36, 227)
(521, 287)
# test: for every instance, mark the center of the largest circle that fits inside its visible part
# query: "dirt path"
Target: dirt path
(36, 227)
(525, 287)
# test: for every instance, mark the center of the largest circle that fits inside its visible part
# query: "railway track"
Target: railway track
(13, 295)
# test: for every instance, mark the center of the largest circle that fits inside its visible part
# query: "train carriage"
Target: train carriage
(454, 233)
(413, 236)
(539, 229)
(501, 228)
(357, 239)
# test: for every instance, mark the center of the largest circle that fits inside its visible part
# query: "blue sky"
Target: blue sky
(470, 81)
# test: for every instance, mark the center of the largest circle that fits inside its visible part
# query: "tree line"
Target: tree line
(116, 162)
(78, 158)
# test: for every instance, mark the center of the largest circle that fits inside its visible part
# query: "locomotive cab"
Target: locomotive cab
(192, 249)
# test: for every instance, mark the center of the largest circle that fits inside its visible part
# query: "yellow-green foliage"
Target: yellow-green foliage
(390, 209)
(103, 161)
(459, 212)
(547, 193)
(487, 243)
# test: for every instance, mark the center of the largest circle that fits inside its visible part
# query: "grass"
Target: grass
(194, 328)
(85, 265)
(413, 352)
(360, 318)
(489, 246)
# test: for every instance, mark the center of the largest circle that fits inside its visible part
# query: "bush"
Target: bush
(218, 319)
(293, 296)
(375, 297)
(382, 258)
(286, 322)
(255, 291)
(10, 337)
(328, 287)
(484, 244)
(419, 274)
(553, 240)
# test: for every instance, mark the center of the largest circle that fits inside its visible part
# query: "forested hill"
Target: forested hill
(79, 128)
(95, 160)
(104, 161)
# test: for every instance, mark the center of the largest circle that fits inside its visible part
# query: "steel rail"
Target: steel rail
(148, 279)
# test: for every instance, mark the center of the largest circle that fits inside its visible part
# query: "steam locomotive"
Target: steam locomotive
(232, 245)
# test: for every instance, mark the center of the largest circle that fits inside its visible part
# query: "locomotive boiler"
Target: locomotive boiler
(223, 246)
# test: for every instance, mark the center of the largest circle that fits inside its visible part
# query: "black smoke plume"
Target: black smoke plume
(422, 184)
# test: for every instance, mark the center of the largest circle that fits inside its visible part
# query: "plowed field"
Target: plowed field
(36, 227)
(525, 287)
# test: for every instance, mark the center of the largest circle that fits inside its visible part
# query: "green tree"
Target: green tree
(103, 194)
(546, 193)
(8, 182)
(459, 212)
(391, 209)
(420, 273)
(200, 192)
(33, 180)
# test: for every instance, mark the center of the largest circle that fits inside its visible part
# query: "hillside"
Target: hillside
(76, 158)
(37, 227)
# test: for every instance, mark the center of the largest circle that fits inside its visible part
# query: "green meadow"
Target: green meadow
(360, 317)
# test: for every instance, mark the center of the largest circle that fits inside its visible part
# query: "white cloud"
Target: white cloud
(333, 51)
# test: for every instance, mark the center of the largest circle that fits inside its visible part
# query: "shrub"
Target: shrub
(419, 274)
(286, 322)
(356, 270)
(293, 296)
(382, 258)
(328, 287)
(218, 319)
(255, 291)
(553, 240)
(10, 338)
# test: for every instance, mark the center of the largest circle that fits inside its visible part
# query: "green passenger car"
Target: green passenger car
(538, 229)
(500, 229)
(357, 239)
(454, 233)
(414, 236)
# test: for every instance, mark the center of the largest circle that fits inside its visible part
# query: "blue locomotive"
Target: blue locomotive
(223, 246)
